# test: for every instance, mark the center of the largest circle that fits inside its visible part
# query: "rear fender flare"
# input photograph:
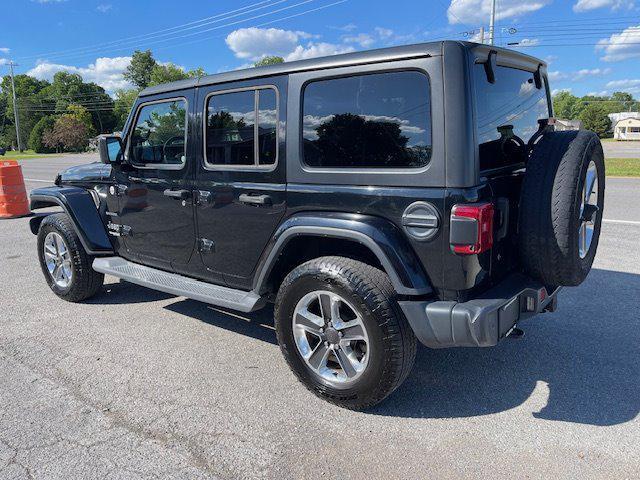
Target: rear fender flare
(380, 236)
(81, 208)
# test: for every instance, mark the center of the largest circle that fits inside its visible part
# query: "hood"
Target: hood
(90, 173)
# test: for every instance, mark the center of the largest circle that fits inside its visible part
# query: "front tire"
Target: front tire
(65, 263)
(342, 332)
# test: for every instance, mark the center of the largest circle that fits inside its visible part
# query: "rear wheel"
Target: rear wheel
(342, 332)
(64, 261)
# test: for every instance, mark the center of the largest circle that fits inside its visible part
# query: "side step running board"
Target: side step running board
(178, 285)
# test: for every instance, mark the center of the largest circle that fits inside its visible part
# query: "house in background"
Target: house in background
(562, 125)
(627, 129)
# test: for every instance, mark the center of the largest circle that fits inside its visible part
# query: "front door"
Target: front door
(154, 185)
(240, 176)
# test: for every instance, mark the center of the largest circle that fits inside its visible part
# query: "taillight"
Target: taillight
(471, 230)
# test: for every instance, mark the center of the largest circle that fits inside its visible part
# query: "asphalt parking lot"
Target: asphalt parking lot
(138, 384)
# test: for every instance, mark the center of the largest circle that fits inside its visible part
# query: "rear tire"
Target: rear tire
(65, 263)
(364, 298)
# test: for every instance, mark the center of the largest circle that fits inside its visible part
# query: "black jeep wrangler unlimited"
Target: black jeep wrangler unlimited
(378, 198)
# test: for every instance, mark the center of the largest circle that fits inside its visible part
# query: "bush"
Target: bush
(36, 143)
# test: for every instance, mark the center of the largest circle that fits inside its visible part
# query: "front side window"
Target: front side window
(372, 121)
(507, 114)
(159, 136)
(242, 129)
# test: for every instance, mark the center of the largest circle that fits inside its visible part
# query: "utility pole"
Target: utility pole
(492, 22)
(15, 106)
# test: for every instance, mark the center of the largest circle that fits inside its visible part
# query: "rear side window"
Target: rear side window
(507, 114)
(372, 121)
(242, 129)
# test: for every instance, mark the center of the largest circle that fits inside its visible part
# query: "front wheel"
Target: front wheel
(64, 261)
(342, 332)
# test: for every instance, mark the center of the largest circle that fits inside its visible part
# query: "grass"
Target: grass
(622, 167)
(25, 154)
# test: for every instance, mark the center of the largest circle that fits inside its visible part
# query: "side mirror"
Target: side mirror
(110, 148)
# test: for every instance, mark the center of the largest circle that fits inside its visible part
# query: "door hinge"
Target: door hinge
(118, 230)
(205, 245)
(203, 197)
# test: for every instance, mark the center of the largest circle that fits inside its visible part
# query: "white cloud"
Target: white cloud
(4, 61)
(5, 49)
(556, 91)
(313, 50)
(105, 71)
(349, 27)
(586, 5)
(478, 11)
(256, 43)
(363, 39)
(556, 76)
(621, 46)
(48, 1)
(593, 72)
(527, 42)
(104, 7)
(383, 32)
(627, 85)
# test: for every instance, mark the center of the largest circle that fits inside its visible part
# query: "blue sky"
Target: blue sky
(591, 45)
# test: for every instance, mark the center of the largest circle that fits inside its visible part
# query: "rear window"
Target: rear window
(372, 121)
(507, 114)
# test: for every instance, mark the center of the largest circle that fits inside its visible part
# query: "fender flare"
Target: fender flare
(380, 236)
(81, 208)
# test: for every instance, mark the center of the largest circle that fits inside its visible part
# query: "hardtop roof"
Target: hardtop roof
(430, 49)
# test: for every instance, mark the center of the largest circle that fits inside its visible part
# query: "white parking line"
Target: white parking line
(37, 180)
(621, 222)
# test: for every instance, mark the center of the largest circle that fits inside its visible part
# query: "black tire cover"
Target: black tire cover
(550, 207)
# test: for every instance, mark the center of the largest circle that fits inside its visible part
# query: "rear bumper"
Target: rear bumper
(483, 321)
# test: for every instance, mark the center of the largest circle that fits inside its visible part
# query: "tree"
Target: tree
(567, 106)
(68, 133)
(43, 127)
(82, 115)
(171, 73)
(123, 104)
(594, 117)
(139, 70)
(272, 60)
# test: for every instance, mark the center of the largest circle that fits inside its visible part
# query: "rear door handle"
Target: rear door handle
(179, 194)
(255, 199)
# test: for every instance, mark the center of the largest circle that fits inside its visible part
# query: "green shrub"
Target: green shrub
(35, 137)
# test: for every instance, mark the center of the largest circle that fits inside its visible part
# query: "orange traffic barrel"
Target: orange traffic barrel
(13, 194)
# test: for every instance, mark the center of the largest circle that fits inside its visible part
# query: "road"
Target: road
(613, 149)
(139, 384)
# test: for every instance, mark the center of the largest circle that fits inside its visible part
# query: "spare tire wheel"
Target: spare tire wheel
(561, 206)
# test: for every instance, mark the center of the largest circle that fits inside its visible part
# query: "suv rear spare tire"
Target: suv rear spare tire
(561, 207)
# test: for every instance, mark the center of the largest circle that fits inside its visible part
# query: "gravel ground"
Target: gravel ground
(139, 384)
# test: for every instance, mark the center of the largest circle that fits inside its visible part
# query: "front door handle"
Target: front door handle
(178, 194)
(255, 199)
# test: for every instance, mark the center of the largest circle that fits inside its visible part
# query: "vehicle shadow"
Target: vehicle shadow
(587, 353)
(121, 292)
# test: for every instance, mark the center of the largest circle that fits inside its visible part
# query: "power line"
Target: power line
(175, 36)
(247, 9)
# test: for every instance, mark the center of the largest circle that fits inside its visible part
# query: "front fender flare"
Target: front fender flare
(79, 205)
(381, 236)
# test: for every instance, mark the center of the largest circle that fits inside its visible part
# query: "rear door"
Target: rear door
(240, 177)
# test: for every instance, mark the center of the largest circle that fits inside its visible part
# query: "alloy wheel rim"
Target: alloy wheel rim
(589, 210)
(331, 337)
(58, 259)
